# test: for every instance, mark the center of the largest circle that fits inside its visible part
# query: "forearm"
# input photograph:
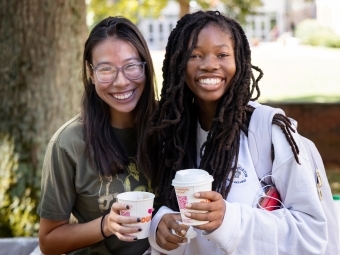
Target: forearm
(71, 236)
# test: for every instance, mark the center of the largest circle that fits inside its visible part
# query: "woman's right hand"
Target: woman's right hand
(164, 237)
(113, 223)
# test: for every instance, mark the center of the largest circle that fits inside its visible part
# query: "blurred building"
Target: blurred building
(157, 31)
(328, 14)
(282, 15)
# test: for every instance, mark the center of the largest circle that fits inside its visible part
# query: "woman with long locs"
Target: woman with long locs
(202, 122)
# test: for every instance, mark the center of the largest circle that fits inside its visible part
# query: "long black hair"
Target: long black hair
(172, 131)
(101, 144)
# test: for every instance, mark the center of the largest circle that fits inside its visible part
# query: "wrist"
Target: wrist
(104, 227)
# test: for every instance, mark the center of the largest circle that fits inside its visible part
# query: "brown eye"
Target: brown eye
(194, 56)
(223, 55)
(105, 69)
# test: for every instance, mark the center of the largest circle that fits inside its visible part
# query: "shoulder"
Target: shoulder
(285, 144)
(69, 133)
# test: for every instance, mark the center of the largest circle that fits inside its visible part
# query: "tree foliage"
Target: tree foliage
(131, 9)
(41, 50)
(137, 9)
(239, 9)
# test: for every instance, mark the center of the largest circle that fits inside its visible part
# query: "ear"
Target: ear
(89, 71)
(92, 78)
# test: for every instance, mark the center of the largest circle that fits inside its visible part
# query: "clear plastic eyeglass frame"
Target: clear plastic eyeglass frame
(115, 69)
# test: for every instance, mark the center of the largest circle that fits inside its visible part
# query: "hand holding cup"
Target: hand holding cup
(215, 210)
(112, 224)
(141, 207)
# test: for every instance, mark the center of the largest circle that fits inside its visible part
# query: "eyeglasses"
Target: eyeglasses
(132, 71)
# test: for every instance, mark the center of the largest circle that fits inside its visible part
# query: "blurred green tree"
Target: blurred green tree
(240, 9)
(131, 9)
(40, 62)
(237, 9)
(137, 9)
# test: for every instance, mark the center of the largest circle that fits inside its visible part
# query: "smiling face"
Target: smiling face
(122, 95)
(211, 66)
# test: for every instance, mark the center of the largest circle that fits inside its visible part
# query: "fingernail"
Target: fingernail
(138, 219)
(127, 207)
(183, 232)
(197, 195)
(139, 229)
(188, 205)
(188, 214)
(135, 239)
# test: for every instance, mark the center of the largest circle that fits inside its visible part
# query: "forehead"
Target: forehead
(220, 31)
(213, 33)
(113, 50)
(222, 26)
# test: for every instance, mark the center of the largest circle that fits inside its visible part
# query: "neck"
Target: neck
(206, 112)
(122, 120)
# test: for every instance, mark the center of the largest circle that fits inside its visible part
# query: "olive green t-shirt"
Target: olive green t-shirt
(71, 185)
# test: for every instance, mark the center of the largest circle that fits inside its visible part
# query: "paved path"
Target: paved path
(291, 73)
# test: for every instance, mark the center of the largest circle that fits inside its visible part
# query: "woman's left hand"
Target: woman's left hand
(216, 210)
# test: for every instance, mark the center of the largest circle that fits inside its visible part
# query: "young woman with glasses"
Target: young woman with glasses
(92, 158)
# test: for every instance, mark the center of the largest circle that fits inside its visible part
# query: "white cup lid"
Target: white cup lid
(191, 177)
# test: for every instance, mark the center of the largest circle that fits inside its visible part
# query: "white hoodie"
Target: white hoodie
(297, 229)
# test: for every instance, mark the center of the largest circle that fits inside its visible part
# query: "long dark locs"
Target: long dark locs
(171, 135)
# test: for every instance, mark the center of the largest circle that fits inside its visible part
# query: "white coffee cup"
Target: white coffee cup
(186, 183)
(141, 207)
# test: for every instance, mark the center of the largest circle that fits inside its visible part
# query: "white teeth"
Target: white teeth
(210, 81)
(123, 95)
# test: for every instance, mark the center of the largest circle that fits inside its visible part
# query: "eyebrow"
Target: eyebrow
(217, 46)
(109, 63)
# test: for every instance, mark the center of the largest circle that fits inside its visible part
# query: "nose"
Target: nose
(210, 63)
(121, 80)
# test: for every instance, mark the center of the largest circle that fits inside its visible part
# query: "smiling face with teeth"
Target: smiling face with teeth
(122, 95)
(211, 66)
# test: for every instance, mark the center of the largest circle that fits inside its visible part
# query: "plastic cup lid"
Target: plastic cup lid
(191, 177)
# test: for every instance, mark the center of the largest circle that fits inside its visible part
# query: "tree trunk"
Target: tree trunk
(40, 64)
(184, 7)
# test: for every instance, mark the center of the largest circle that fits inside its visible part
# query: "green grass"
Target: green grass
(307, 99)
(333, 175)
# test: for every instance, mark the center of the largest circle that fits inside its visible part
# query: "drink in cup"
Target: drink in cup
(186, 183)
(141, 206)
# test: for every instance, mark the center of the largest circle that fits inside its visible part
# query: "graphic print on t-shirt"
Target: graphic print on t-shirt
(107, 196)
(130, 180)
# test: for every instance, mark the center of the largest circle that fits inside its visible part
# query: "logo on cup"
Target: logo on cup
(125, 213)
(142, 219)
(205, 201)
(182, 201)
(145, 219)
